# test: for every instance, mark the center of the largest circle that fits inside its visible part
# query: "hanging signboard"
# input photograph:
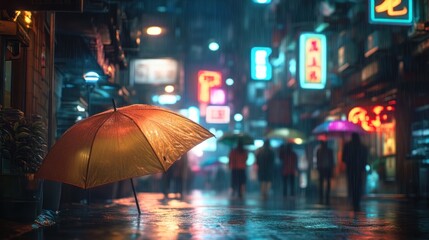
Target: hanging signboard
(154, 71)
(206, 81)
(44, 5)
(260, 67)
(312, 61)
(218, 114)
(393, 12)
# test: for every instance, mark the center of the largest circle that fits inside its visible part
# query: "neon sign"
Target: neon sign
(312, 61)
(218, 114)
(206, 81)
(371, 118)
(396, 12)
(260, 67)
(217, 96)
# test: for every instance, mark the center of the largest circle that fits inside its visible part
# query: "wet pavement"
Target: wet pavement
(206, 215)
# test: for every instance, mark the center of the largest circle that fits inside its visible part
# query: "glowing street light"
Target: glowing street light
(154, 30)
(213, 46)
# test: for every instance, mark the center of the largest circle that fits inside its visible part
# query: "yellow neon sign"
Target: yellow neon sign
(389, 7)
(206, 81)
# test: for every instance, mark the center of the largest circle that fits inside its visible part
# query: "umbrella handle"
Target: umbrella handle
(135, 196)
(114, 107)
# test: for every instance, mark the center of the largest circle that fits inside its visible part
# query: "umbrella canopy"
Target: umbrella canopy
(231, 138)
(118, 144)
(337, 127)
(287, 134)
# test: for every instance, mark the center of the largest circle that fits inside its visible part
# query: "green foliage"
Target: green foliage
(23, 142)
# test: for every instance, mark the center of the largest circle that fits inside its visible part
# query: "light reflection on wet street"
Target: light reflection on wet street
(210, 216)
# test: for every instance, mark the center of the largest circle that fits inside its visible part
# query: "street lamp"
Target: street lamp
(91, 78)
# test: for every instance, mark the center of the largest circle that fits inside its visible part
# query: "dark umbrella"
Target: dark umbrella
(232, 138)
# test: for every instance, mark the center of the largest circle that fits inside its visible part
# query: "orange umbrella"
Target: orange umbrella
(118, 144)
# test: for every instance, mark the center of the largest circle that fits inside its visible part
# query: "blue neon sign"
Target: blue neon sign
(260, 67)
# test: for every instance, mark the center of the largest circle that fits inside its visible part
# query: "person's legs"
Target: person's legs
(328, 189)
(320, 188)
(285, 183)
(263, 188)
(292, 184)
(233, 182)
(50, 204)
(242, 183)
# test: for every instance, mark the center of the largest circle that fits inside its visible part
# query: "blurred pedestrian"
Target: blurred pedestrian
(355, 156)
(265, 157)
(325, 167)
(166, 181)
(289, 169)
(174, 178)
(237, 164)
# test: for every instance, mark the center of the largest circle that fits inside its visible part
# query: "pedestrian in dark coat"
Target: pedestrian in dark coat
(237, 164)
(355, 156)
(325, 166)
(265, 157)
(289, 169)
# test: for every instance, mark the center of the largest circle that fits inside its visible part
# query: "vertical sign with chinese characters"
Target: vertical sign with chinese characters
(312, 61)
(394, 12)
(206, 81)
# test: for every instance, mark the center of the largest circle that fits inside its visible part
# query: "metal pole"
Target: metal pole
(2, 62)
(135, 196)
(51, 115)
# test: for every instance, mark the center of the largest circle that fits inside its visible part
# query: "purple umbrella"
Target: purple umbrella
(338, 127)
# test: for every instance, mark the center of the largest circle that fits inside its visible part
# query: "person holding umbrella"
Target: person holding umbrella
(355, 157)
(237, 165)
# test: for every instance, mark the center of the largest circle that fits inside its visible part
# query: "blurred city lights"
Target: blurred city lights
(91, 76)
(229, 81)
(80, 109)
(262, 1)
(154, 30)
(213, 46)
(238, 117)
(292, 66)
(169, 89)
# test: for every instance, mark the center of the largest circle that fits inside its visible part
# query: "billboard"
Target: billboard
(154, 71)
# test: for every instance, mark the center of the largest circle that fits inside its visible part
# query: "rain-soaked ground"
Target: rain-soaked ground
(205, 215)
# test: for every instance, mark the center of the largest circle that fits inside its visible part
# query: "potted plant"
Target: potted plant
(23, 146)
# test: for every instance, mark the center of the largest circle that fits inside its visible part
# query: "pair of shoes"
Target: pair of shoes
(46, 218)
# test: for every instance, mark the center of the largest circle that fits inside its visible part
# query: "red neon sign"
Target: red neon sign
(371, 118)
(206, 81)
